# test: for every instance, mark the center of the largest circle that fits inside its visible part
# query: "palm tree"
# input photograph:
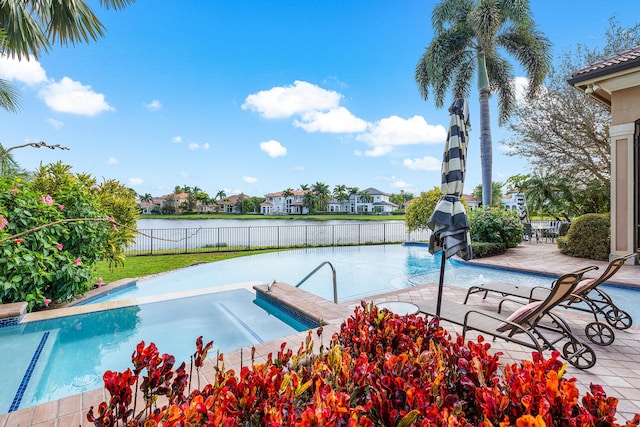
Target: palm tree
(365, 196)
(8, 165)
(309, 200)
(221, 195)
(321, 191)
(30, 27)
(287, 194)
(148, 198)
(354, 191)
(340, 193)
(467, 35)
(304, 187)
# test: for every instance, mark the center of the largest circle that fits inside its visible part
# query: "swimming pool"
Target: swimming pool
(361, 271)
(49, 359)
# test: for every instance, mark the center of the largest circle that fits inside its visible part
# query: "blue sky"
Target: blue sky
(255, 96)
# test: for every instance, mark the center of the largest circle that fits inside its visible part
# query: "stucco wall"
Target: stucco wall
(625, 106)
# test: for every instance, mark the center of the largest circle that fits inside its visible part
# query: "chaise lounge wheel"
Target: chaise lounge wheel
(579, 355)
(617, 318)
(599, 333)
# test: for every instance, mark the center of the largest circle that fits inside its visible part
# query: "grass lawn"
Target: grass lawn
(138, 266)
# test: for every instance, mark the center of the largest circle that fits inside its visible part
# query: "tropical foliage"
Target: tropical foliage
(420, 209)
(469, 36)
(29, 27)
(562, 198)
(54, 227)
(381, 369)
(496, 192)
(492, 225)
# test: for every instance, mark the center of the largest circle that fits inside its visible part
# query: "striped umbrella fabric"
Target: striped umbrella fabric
(449, 220)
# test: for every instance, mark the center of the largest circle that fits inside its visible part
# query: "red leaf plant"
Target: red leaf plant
(381, 369)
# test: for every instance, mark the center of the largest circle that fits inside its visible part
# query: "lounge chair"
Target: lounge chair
(594, 300)
(533, 325)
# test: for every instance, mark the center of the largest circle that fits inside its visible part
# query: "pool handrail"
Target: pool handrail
(333, 272)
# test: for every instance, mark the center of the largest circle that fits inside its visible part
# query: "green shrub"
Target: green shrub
(588, 237)
(492, 225)
(54, 228)
(483, 250)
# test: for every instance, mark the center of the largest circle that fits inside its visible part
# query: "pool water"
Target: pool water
(361, 271)
(50, 359)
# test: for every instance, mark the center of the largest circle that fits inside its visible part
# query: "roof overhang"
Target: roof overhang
(602, 82)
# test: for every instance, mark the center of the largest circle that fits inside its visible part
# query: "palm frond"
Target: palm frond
(485, 19)
(450, 12)
(532, 50)
(71, 22)
(116, 4)
(23, 29)
(9, 96)
(500, 79)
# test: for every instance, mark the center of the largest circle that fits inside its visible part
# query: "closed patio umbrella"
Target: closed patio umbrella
(449, 220)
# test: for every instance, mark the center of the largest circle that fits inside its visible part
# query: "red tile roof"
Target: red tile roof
(627, 59)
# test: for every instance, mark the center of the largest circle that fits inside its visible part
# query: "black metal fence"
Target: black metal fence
(194, 240)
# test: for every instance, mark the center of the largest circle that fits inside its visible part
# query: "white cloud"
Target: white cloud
(133, 181)
(249, 179)
(206, 146)
(400, 183)
(376, 152)
(393, 131)
(112, 161)
(301, 97)
(427, 163)
(154, 105)
(298, 169)
(520, 85)
(336, 120)
(28, 72)
(183, 174)
(273, 148)
(56, 124)
(193, 146)
(176, 139)
(69, 96)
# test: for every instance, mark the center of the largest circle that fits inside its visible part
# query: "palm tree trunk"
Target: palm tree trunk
(486, 155)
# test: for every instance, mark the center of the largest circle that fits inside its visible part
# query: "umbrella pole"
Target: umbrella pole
(440, 284)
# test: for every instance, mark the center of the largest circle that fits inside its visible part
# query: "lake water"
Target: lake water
(213, 223)
(185, 235)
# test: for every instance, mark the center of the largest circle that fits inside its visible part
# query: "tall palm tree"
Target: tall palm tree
(468, 34)
(321, 190)
(30, 27)
(221, 195)
(287, 194)
(304, 187)
(148, 198)
(354, 191)
(340, 193)
(365, 196)
(309, 200)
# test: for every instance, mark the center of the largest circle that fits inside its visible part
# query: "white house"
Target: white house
(278, 204)
(369, 200)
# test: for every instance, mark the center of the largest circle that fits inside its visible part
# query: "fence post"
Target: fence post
(186, 241)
